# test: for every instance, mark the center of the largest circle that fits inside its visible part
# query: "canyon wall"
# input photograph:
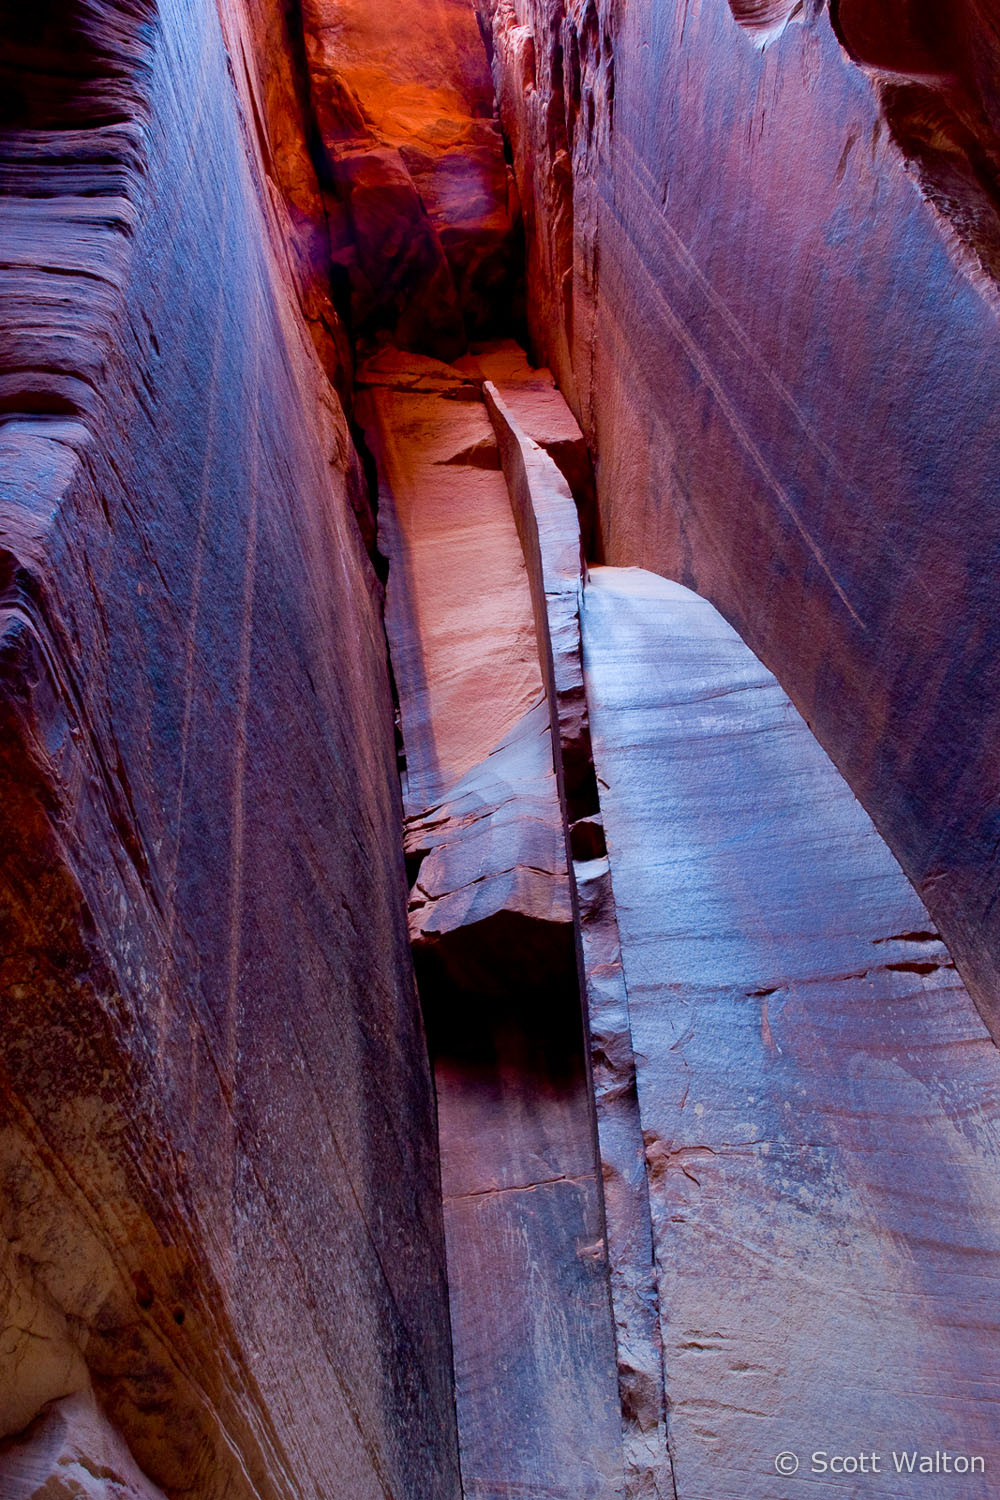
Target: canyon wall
(223, 1259)
(423, 214)
(687, 1153)
(763, 268)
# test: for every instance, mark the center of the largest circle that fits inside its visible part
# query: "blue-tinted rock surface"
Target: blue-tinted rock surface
(819, 1097)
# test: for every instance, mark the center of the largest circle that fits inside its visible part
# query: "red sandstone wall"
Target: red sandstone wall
(786, 359)
(217, 1159)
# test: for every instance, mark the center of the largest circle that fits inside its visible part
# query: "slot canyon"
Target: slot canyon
(499, 787)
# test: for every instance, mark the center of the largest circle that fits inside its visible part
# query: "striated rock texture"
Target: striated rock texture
(762, 268)
(818, 1096)
(218, 1174)
(424, 219)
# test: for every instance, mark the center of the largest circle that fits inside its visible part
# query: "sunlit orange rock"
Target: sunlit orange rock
(405, 108)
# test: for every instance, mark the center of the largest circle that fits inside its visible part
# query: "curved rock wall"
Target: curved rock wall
(761, 271)
(221, 1205)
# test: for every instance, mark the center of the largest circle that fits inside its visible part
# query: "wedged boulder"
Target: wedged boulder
(541, 411)
(465, 676)
(549, 530)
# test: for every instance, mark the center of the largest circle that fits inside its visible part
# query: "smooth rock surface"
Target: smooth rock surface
(819, 1098)
(781, 341)
(465, 676)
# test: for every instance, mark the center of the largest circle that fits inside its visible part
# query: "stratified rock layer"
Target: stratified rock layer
(786, 359)
(819, 1098)
(218, 1172)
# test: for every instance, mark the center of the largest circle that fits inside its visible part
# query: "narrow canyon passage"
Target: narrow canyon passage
(792, 1099)
(462, 1036)
(492, 923)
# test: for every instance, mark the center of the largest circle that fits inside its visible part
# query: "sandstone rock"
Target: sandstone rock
(396, 264)
(634, 1294)
(818, 1096)
(540, 410)
(496, 843)
(265, 45)
(716, 1128)
(70, 1453)
(492, 920)
(484, 822)
(553, 67)
(935, 77)
(761, 271)
(218, 1170)
(549, 531)
(405, 108)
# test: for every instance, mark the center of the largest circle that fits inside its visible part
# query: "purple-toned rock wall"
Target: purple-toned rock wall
(781, 341)
(219, 1172)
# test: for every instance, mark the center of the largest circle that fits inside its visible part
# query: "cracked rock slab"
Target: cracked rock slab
(491, 919)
